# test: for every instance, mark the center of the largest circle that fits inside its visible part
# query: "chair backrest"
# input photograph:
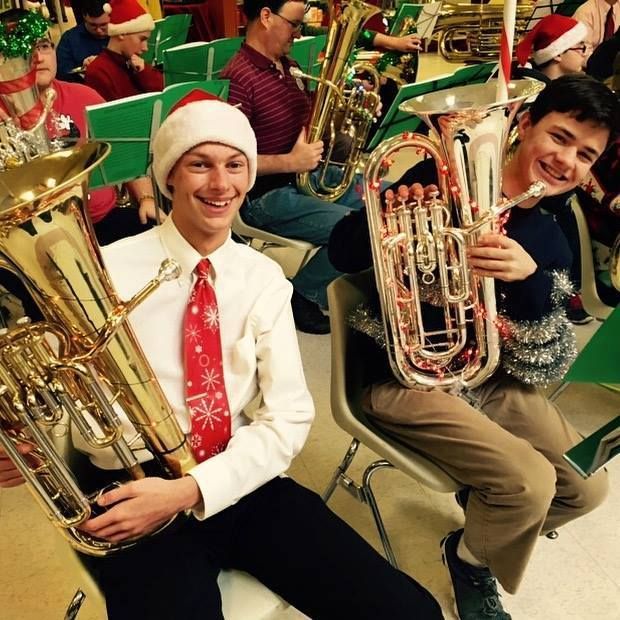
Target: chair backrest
(344, 294)
(589, 295)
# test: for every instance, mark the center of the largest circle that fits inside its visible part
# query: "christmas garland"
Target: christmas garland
(18, 38)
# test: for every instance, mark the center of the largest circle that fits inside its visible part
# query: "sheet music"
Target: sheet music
(428, 18)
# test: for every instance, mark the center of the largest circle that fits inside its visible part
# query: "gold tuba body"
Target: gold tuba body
(97, 366)
(476, 28)
(340, 109)
(419, 247)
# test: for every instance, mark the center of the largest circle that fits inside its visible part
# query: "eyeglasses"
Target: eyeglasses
(296, 26)
(44, 47)
(94, 26)
(582, 49)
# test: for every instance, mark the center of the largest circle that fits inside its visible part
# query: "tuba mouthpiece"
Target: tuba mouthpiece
(169, 270)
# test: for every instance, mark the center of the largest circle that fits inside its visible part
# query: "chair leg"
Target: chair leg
(372, 502)
(363, 493)
(340, 470)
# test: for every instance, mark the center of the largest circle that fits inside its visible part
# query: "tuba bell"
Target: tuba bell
(419, 246)
(471, 32)
(83, 362)
(341, 108)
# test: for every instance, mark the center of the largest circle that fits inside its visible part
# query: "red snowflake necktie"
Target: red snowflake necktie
(205, 393)
(610, 26)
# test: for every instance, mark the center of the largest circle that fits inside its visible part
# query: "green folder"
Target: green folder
(169, 32)
(201, 60)
(394, 121)
(306, 52)
(597, 449)
(128, 124)
(598, 361)
(405, 10)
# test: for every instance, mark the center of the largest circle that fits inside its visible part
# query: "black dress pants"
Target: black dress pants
(282, 534)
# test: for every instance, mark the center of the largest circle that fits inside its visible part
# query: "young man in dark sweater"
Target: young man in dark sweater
(507, 447)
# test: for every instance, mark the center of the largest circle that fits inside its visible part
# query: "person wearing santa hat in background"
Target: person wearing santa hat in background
(227, 318)
(119, 71)
(555, 46)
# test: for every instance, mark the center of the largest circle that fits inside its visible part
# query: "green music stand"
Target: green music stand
(169, 32)
(201, 60)
(394, 121)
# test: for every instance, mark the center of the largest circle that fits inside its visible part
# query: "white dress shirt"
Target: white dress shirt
(259, 349)
(593, 14)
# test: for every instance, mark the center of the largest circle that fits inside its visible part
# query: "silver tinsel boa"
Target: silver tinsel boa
(535, 352)
(540, 352)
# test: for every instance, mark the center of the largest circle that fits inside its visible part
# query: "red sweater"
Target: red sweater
(69, 122)
(109, 75)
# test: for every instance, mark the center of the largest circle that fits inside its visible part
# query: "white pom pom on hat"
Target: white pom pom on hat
(197, 118)
(127, 17)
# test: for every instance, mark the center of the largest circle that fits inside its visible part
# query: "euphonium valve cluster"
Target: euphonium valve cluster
(439, 317)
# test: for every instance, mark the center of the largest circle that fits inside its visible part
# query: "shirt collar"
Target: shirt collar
(179, 249)
(262, 62)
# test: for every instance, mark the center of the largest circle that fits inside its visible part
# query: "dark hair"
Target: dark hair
(93, 8)
(582, 97)
(252, 8)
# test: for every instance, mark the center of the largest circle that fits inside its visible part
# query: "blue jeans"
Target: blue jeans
(286, 212)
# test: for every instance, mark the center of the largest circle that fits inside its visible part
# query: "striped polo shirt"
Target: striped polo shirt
(276, 104)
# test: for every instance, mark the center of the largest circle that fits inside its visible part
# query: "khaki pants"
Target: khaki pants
(511, 457)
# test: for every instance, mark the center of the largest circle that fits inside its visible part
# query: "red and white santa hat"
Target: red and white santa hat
(127, 17)
(201, 117)
(552, 35)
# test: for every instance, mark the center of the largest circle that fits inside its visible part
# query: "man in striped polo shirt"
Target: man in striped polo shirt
(278, 106)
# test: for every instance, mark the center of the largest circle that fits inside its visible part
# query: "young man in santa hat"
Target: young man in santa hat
(119, 71)
(555, 46)
(216, 338)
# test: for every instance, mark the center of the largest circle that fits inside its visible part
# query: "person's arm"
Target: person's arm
(149, 79)
(101, 82)
(142, 191)
(406, 43)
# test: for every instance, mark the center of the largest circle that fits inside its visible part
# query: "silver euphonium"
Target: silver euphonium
(419, 246)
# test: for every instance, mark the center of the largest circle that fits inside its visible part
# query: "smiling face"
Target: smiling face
(558, 150)
(208, 185)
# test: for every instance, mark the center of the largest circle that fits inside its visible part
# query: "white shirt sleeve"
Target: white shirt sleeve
(263, 449)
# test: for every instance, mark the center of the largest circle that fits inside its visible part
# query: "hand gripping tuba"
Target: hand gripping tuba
(419, 247)
(97, 366)
(342, 111)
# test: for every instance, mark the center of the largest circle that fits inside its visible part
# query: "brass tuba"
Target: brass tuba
(97, 366)
(340, 109)
(471, 32)
(419, 247)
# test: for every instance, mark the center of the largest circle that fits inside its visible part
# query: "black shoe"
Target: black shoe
(475, 589)
(308, 316)
(575, 311)
(461, 497)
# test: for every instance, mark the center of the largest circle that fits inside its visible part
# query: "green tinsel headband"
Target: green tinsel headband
(19, 40)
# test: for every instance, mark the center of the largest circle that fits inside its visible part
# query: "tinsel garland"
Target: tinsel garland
(540, 352)
(535, 352)
(19, 38)
(364, 319)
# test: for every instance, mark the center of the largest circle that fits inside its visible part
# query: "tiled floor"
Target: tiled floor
(576, 577)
